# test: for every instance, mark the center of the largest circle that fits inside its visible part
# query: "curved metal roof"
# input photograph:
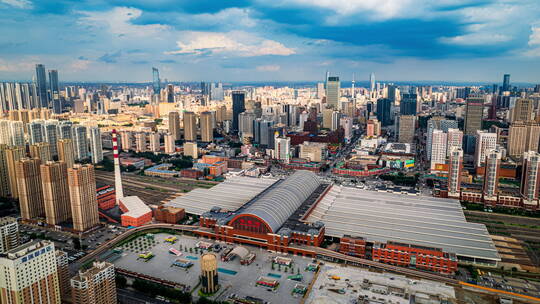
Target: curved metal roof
(279, 203)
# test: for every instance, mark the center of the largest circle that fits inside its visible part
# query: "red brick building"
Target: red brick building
(407, 255)
(169, 215)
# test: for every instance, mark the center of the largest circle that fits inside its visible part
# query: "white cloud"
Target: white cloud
(268, 68)
(236, 17)
(233, 44)
(118, 22)
(476, 39)
(23, 4)
(534, 38)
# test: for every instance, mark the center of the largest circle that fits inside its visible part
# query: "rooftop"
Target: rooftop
(135, 206)
(383, 217)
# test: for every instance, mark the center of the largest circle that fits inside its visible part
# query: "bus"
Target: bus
(175, 252)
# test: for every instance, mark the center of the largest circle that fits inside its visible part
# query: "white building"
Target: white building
(438, 148)
(485, 141)
(347, 124)
(96, 149)
(455, 140)
(282, 149)
(28, 274)
(80, 142)
(455, 163)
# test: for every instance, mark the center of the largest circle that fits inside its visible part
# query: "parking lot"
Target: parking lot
(234, 279)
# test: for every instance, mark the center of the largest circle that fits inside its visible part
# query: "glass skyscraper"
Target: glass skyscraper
(41, 83)
(239, 106)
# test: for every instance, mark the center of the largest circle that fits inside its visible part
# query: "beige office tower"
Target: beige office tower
(65, 152)
(190, 149)
(407, 126)
(94, 286)
(4, 175)
(523, 137)
(9, 233)
(174, 125)
(126, 140)
(30, 188)
(13, 155)
(153, 139)
(169, 144)
(55, 192)
(140, 142)
(29, 274)
(82, 192)
(523, 110)
(62, 265)
(221, 114)
(474, 112)
(190, 126)
(327, 118)
(207, 130)
(41, 150)
(209, 275)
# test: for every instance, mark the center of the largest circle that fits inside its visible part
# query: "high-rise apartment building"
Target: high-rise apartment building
(485, 141)
(153, 140)
(36, 132)
(474, 112)
(4, 173)
(455, 140)
(13, 155)
(190, 126)
(438, 148)
(55, 192)
(140, 142)
(333, 90)
(41, 150)
(96, 148)
(491, 175)
(95, 286)
(207, 129)
(30, 188)
(126, 140)
(51, 135)
(455, 167)
(169, 143)
(9, 233)
(530, 179)
(174, 125)
(62, 265)
(406, 129)
(82, 190)
(29, 274)
(80, 142)
(523, 137)
(238, 106)
(65, 152)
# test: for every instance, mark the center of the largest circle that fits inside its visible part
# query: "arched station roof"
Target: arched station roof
(279, 203)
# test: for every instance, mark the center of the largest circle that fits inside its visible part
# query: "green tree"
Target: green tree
(121, 281)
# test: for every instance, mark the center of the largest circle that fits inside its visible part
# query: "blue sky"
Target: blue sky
(240, 40)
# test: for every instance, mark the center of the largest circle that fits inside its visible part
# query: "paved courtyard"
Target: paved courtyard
(234, 278)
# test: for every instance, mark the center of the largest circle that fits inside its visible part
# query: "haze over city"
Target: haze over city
(247, 40)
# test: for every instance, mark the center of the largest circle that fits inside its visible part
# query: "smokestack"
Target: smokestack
(117, 177)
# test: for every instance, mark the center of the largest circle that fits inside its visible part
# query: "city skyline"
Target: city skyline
(458, 40)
